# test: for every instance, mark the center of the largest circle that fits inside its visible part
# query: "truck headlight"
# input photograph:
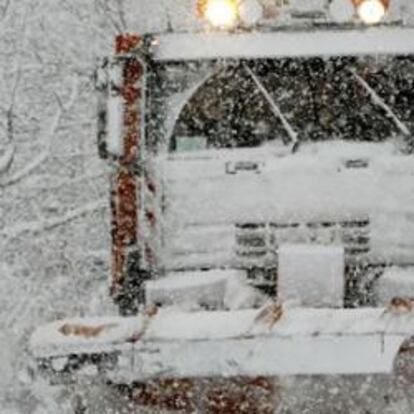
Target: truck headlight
(220, 13)
(372, 11)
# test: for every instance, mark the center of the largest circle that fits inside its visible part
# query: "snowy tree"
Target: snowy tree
(53, 188)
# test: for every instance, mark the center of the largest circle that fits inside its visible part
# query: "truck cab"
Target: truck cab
(259, 156)
(236, 141)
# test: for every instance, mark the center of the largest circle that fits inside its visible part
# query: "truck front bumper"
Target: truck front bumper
(224, 344)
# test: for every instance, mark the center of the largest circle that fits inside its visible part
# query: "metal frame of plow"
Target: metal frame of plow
(226, 344)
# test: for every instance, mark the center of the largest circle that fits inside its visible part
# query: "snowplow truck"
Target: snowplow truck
(262, 196)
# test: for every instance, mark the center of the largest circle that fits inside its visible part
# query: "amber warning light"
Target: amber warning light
(372, 11)
(219, 13)
(226, 14)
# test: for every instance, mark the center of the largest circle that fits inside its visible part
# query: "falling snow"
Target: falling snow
(282, 157)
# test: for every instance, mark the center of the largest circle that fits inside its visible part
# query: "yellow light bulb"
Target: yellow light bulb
(371, 11)
(221, 13)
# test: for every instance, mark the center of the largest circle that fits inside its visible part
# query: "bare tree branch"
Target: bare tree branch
(49, 224)
(121, 14)
(43, 156)
(7, 156)
(5, 9)
(6, 159)
(109, 15)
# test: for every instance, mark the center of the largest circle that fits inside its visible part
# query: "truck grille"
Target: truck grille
(355, 236)
(257, 243)
(252, 240)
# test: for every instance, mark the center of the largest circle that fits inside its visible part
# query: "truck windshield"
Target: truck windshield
(247, 104)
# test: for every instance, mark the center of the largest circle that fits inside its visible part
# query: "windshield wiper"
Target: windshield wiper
(293, 135)
(377, 100)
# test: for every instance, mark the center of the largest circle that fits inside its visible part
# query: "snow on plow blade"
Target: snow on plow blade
(224, 344)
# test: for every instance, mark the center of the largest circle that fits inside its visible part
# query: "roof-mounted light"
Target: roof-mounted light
(368, 11)
(372, 11)
(220, 13)
(250, 11)
(342, 11)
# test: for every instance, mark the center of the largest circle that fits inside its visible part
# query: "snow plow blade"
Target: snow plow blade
(223, 344)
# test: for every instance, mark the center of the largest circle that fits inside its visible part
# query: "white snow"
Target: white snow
(239, 295)
(341, 11)
(396, 281)
(218, 289)
(158, 15)
(389, 40)
(189, 290)
(50, 272)
(220, 343)
(205, 203)
(270, 356)
(171, 324)
(308, 5)
(312, 274)
(6, 157)
(115, 125)
(250, 11)
(48, 340)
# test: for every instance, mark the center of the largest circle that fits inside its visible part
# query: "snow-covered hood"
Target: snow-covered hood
(212, 192)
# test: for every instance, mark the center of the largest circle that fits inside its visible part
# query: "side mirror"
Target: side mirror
(110, 108)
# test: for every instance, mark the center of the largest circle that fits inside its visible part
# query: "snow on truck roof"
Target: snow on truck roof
(298, 28)
(161, 16)
(395, 41)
